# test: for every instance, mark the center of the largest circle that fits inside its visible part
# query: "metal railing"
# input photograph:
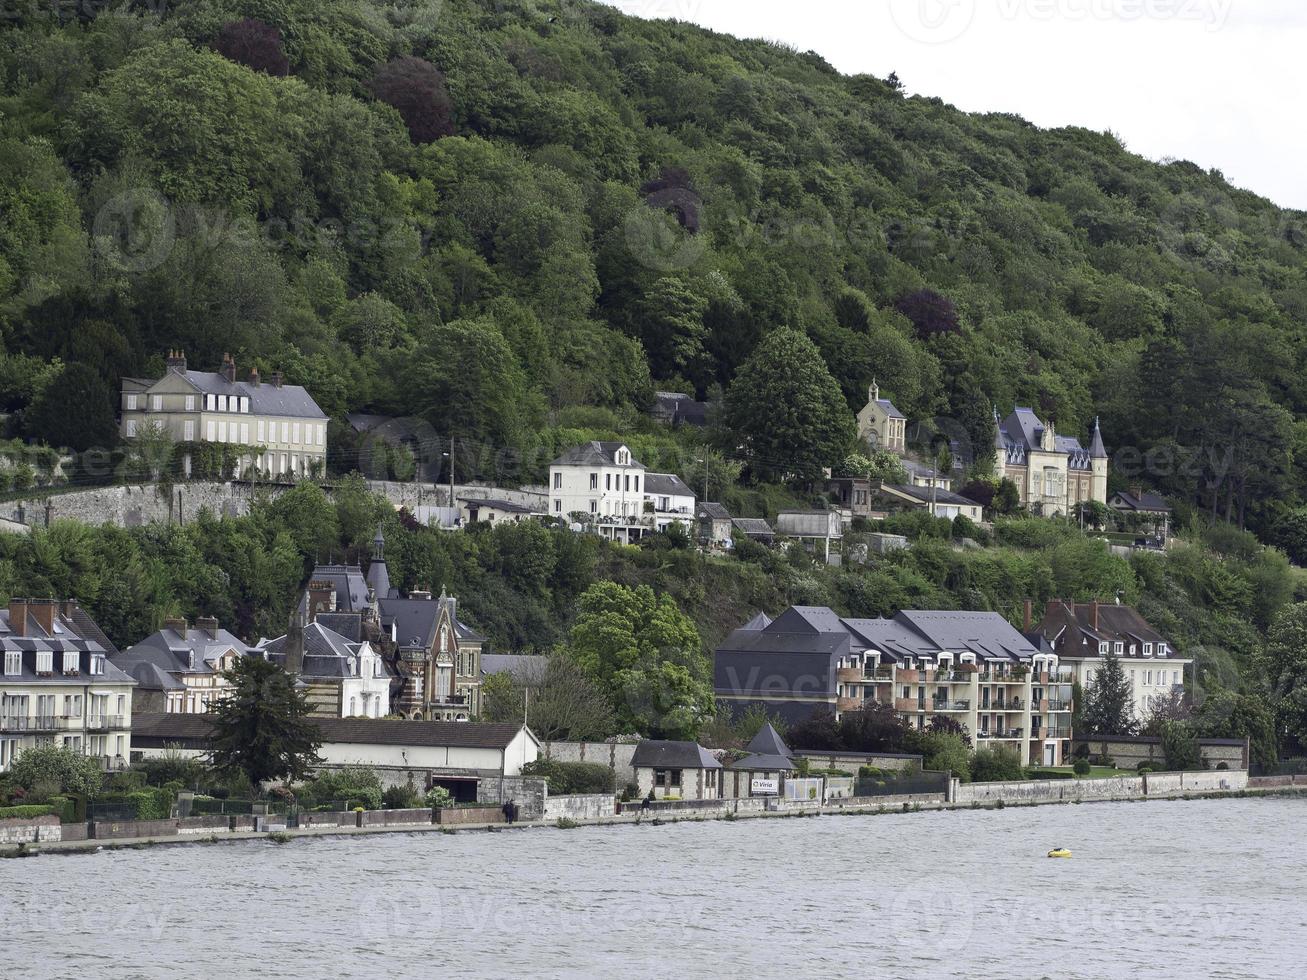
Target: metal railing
(942, 705)
(105, 721)
(28, 723)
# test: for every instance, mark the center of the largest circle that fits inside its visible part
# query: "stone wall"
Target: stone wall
(117, 829)
(579, 807)
(213, 823)
(1113, 788)
(617, 756)
(455, 815)
(140, 504)
(1128, 753)
(396, 818)
(328, 818)
(529, 793)
(30, 830)
(851, 762)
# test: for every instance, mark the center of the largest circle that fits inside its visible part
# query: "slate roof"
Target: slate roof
(69, 634)
(926, 494)
(595, 454)
(679, 408)
(888, 408)
(710, 510)
(1022, 432)
(507, 506)
(1145, 501)
(522, 668)
(673, 755)
(171, 650)
(265, 398)
(1075, 629)
(350, 584)
(326, 653)
(753, 527)
(768, 742)
(764, 763)
(417, 618)
(666, 483)
(195, 730)
(759, 622)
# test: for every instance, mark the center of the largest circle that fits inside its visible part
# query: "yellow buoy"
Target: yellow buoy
(1059, 852)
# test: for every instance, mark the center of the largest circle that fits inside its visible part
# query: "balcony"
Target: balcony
(909, 676)
(987, 677)
(878, 673)
(909, 705)
(846, 675)
(104, 722)
(847, 704)
(23, 723)
(1056, 731)
(954, 676)
(944, 705)
(1052, 705)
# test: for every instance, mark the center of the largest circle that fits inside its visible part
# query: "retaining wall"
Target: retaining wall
(615, 755)
(328, 818)
(528, 792)
(452, 816)
(851, 762)
(580, 807)
(396, 818)
(214, 823)
(114, 829)
(1113, 788)
(30, 830)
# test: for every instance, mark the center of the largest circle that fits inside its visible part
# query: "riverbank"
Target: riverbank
(777, 810)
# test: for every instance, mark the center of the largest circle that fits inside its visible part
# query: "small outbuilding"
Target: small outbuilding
(676, 771)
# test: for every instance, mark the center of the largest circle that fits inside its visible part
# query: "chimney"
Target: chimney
(322, 598)
(18, 617)
(228, 369)
(277, 378)
(1093, 606)
(254, 376)
(178, 624)
(209, 625)
(1030, 611)
(68, 609)
(295, 642)
(176, 361)
(43, 611)
(420, 594)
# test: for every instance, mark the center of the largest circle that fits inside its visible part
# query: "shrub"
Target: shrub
(24, 812)
(995, 765)
(58, 770)
(168, 768)
(355, 783)
(565, 778)
(1146, 766)
(944, 751)
(438, 798)
(401, 798)
(1081, 767)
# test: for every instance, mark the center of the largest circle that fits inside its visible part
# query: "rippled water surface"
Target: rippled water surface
(1179, 889)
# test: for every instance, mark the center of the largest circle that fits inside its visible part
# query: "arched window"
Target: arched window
(353, 707)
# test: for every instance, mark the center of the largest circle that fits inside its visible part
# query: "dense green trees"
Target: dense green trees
(786, 411)
(262, 729)
(1109, 704)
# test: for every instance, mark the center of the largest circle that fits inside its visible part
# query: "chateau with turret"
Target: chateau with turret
(1053, 473)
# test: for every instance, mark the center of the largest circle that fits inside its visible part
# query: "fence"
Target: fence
(916, 785)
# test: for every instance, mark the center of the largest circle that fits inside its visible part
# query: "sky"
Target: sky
(1222, 83)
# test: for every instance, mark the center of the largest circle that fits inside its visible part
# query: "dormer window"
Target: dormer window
(1161, 649)
(131, 403)
(1118, 648)
(1148, 649)
(97, 663)
(1102, 649)
(70, 662)
(45, 661)
(13, 663)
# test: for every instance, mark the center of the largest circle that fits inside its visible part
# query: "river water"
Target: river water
(1160, 889)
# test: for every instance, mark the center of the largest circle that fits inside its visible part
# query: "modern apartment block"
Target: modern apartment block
(282, 423)
(58, 686)
(973, 667)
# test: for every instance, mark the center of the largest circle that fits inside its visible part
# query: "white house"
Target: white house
(58, 686)
(344, 676)
(603, 485)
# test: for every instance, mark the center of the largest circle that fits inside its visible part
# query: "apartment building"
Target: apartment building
(973, 667)
(58, 685)
(282, 426)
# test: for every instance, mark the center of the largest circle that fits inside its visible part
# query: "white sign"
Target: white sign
(764, 787)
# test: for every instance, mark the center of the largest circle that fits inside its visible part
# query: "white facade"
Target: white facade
(1149, 677)
(365, 694)
(602, 484)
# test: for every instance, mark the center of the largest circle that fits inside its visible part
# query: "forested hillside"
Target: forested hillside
(507, 217)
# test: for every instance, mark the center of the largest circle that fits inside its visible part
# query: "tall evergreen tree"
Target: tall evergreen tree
(263, 730)
(1109, 706)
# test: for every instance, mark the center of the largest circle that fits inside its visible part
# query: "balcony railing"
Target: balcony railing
(105, 721)
(28, 723)
(988, 677)
(1009, 733)
(846, 674)
(878, 673)
(909, 705)
(1052, 705)
(940, 704)
(1057, 731)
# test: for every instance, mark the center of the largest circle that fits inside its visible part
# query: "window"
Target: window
(637, 483)
(210, 403)
(1161, 649)
(285, 432)
(1175, 677)
(558, 506)
(1148, 678)
(594, 506)
(626, 483)
(558, 481)
(222, 403)
(1148, 649)
(212, 431)
(245, 404)
(295, 433)
(1102, 649)
(608, 481)
(122, 705)
(188, 431)
(13, 663)
(97, 663)
(245, 433)
(1118, 648)
(45, 661)
(322, 435)
(131, 428)
(190, 403)
(131, 403)
(70, 662)
(222, 431)
(594, 481)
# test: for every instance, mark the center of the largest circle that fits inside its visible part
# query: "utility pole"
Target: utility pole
(451, 469)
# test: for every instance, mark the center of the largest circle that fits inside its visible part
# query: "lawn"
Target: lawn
(1095, 772)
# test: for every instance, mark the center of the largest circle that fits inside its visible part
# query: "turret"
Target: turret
(1097, 466)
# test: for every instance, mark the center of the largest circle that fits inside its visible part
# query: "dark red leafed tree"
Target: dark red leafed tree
(417, 89)
(931, 313)
(253, 43)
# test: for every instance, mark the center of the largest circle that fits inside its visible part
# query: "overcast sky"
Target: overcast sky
(1220, 82)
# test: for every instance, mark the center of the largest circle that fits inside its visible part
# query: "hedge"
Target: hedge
(565, 778)
(25, 811)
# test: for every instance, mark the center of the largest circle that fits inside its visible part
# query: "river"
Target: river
(1160, 889)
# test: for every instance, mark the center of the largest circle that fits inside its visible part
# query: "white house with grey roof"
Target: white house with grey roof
(344, 676)
(178, 669)
(282, 425)
(973, 667)
(1053, 473)
(59, 686)
(601, 485)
